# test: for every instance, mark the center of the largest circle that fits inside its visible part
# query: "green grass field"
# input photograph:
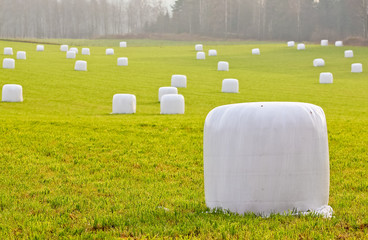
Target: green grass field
(70, 169)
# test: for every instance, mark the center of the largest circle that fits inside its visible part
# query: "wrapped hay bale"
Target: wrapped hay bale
(230, 85)
(291, 44)
(124, 104)
(339, 44)
(349, 53)
(80, 65)
(356, 68)
(223, 66)
(325, 77)
(40, 48)
(122, 61)
(166, 90)
(179, 81)
(199, 47)
(8, 63)
(256, 51)
(318, 62)
(71, 54)
(74, 50)
(12, 93)
(109, 51)
(64, 48)
(123, 44)
(172, 104)
(201, 56)
(301, 46)
(324, 43)
(269, 157)
(8, 51)
(21, 55)
(86, 51)
(212, 52)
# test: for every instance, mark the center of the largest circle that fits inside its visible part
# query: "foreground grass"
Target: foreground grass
(69, 168)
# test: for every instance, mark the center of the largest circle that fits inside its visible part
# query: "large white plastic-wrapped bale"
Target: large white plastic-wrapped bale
(199, 47)
(266, 157)
(230, 85)
(324, 43)
(64, 48)
(8, 63)
(212, 52)
(71, 54)
(356, 68)
(201, 56)
(124, 104)
(109, 51)
(179, 81)
(223, 66)
(166, 90)
(74, 49)
(8, 51)
(301, 46)
(256, 51)
(12, 93)
(339, 44)
(318, 62)
(21, 55)
(172, 104)
(291, 44)
(122, 61)
(40, 48)
(86, 51)
(325, 77)
(123, 44)
(349, 53)
(80, 65)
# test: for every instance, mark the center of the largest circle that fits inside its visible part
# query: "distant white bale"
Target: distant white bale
(166, 90)
(85, 51)
(201, 55)
(199, 47)
(266, 157)
(122, 61)
(21, 55)
(339, 44)
(356, 68)
(74, 50)
(230, 85)
(71, 54)
(8, 63)
(291, 44)
(223, 66)
(12, 93)
(40, 48)
(80, 66)
(123, 44)
(318, 62)
(172, 104)
(124, 104)
(349, 53)
(301, 46)
(325, 77)
(324, 42)
(179, 81)
(8, 51)
(64, 48)
(212, 52)
(109, 51)
(256, 51)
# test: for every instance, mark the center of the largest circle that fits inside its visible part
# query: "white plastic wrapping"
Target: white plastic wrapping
(40, 48)
(12, 93)
(86, 51)
(21, 55)
(199, 47)
(266, 157)
(223, 66)
(122, 61)
(230, 85)
(124, 104)
(8, 63)
(301, 46)
(74, 50)
(201, 55)
(8, 51)
(324, 43)
(318, 62)
(123, 44)
(64, 48)
(339, 44)
(166, 90)
(80, 65)
(179, 81)
(349, 53)
(356, 68)
(109, 51)
(325, 77)
(256, 51)
(172, 104)
(71, 54)
(212, 52)
(291, 44)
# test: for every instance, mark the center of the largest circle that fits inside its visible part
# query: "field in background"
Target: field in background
(69, 168)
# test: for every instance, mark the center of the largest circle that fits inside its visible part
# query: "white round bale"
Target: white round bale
(21, 55)
(199, 47)
(74, 50)
(318, 62)
(339, 44)
(269, 157)
(301, 46)
(223, 66)
(291, 44)
(201, 55)
(64, 48)
(123, 44)
(179, 81)
(349, 53)
(172, 104)
(356, 68)
(256, 51)
(230, 85)
(122, 61)
(324, 42)
(8, 51)
(71, 54)
(80, 65)
(12, 93)
(40, 48)
(86, 51)
(109, 51)
(8, 63)
(166, 90)
(325, 77)
(212, 52)
(124, 104)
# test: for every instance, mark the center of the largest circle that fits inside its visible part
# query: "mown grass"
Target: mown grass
(69, 169)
